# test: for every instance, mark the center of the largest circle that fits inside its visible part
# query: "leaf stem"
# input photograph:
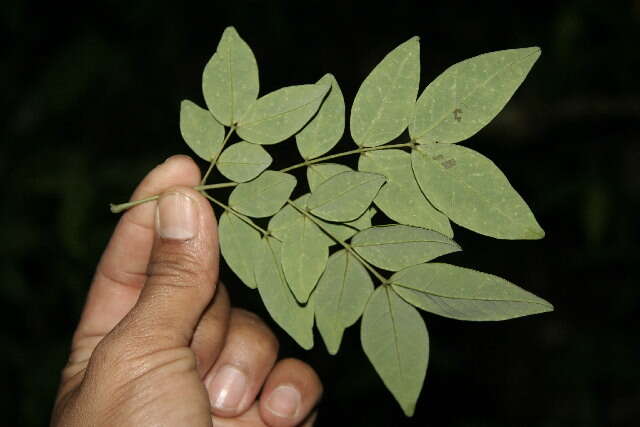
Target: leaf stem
(124, 206)
(202, 187)
(344, 244)
(214, 186)
(346, 153)
(215, 156)
(236, 213)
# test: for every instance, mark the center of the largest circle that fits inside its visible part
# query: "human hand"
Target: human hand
(158, 343)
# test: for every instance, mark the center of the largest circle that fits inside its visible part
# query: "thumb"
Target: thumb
(182, 272)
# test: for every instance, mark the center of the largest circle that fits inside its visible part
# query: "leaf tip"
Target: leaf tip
(328, 76)
(409, 409)
(536, 233)
(534, 51)
(230, 30)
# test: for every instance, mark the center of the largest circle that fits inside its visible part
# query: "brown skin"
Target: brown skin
(158, 327)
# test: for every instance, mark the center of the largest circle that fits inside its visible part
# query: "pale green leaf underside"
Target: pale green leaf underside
(238, 245)
(340, 297)
(394, 247)
(469, 94)
(304, 256)
(324, 131)
(288, 218)
(401, 198)
(295, 319)
(473, 192)
(230, 78)
(320, 172)
(281, 222)
(280, 114)
(383, 105)
(344, 230)
(394, 338)
(202, 133)
(243, 161)
(465, 294)
(263, 196)
(345, 196)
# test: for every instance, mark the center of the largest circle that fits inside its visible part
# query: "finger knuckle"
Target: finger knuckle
(176, 270)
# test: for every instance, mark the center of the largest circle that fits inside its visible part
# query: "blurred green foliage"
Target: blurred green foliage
(90, 103)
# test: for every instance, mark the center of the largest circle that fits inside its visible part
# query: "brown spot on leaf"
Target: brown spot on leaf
(449, 163)
(438, 157)
(457, 115)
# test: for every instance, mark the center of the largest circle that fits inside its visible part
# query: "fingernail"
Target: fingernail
(284, 401)
(228, 388)
(177, 217)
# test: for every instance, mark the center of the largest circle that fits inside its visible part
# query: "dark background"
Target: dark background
(90, 103)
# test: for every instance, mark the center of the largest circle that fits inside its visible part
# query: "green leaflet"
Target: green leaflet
(465, 294)
(473, 192)
(202, 133)
(326, 128)
(281, 222)
(243, 161)
(384, 103)
(230, 79)
(400, 198)
(345, 230)
(340, 297)
(238, 245)
(295, 319)
(469, 94)
(263, 196)
(394, 338)
(394, 247)
(320, 172)
(280, 114)
(345, 196)
(304, 256)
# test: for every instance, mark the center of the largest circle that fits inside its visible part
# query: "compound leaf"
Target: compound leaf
(280, 114)
(320, 172)
(304, 256)
(473, 192)
(345, 196)
(401, 198)
(243, 161)
(325, 130)
(394, 247)
(263, 196)
(465, 294)
(202, 133)
(340, 297)
(238, 245)
(230, 78)
(394, 338)
(295, 319)
(469, 94)
(384, 103)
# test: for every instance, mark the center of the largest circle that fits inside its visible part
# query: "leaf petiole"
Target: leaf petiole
(347, 153)
(124, 206)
